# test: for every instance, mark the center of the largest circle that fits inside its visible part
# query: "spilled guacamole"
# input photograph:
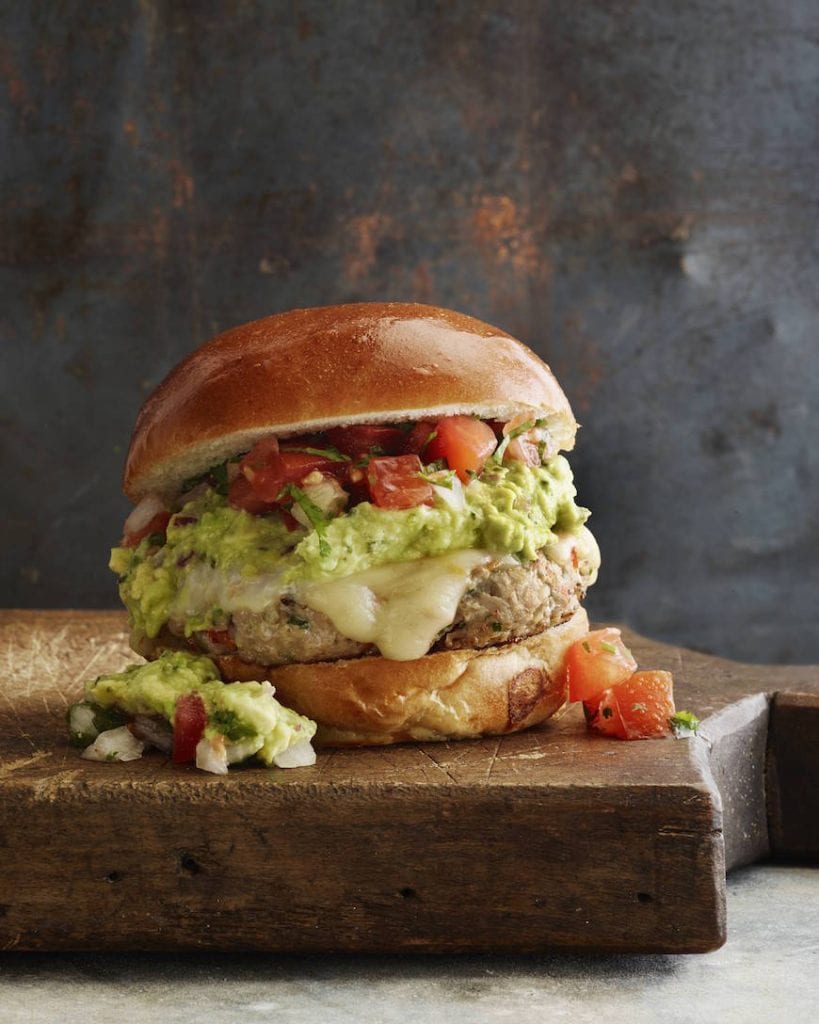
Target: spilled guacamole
(179, 701)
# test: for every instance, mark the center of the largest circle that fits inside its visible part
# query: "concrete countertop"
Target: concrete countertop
(768, 971)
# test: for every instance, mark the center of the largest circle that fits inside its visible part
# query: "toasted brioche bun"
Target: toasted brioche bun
(312, 369)
(442, 696)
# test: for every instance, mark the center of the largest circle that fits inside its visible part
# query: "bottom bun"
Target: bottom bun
(447, 695)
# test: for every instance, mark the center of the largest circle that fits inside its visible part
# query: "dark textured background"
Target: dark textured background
(631, 188)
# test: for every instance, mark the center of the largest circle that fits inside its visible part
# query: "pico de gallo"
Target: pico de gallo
(618, 700)
(312, 477)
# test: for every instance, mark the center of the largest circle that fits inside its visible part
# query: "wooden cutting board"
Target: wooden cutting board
(548, 839)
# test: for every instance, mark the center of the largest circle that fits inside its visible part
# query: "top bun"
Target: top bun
(312, 369)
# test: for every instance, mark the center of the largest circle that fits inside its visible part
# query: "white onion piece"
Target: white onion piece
(326, 493)
(211, 755)
(81, 720)
(115, 745)
(243, 749)
(452, 496)
(150, 506)
(299, 755)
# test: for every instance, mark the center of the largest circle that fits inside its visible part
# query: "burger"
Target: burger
(365, 506)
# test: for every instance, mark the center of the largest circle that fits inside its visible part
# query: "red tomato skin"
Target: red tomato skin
(394, 482)
(464, 443)
(189, 721)
(590, 668)
(361, 438)
(158, 524)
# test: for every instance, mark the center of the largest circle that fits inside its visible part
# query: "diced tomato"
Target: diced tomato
(464, 443)
(360, 439)
(418, 438)
(189, 721)
(395, 482)
(260, 455)
(597, 662)
(268, 468)
(639, 708)
(158, 524)
(242, 495)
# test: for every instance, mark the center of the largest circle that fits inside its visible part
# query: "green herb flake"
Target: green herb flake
(608, 647)
(684, 723)
(298, 622)
(314, 514)
(156, 540)
(445, 480)
(587, 647)
(219, 476)
(497, 627)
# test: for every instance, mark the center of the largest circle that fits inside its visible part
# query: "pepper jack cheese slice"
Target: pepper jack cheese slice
(400, 608)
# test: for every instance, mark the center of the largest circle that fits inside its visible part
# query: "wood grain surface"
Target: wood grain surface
(549, 839)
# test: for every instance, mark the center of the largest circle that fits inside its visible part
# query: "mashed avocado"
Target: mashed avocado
(246, 715)
(510, 509)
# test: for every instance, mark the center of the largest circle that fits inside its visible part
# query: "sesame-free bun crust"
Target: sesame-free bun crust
(312, 369)
(448, 695)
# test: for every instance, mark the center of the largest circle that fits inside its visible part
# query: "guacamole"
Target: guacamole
(244, 717)
(217, 558)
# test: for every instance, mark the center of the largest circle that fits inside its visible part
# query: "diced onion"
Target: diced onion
(453, 495)
(327, 495)
(211, 755)
(81, 721)
(150, 506)
(115, 745)
(300, 755)
(242, 749)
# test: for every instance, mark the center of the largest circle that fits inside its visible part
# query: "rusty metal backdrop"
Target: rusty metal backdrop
(630, 187)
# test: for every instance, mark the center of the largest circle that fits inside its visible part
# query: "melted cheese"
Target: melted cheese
(399, 608)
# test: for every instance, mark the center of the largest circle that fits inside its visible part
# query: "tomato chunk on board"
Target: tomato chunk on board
(599, 661)
(464, 443)
(189, 721)
(639, 708)
(395, 482)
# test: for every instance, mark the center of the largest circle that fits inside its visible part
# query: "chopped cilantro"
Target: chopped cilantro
(219, 475)
(314, 514)
(521, 428)
(295, 620)
(230, 725)
(445, 480)
(497, 627)
(587, 647)
(684, 723)
(608, 647)
(156, 540)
